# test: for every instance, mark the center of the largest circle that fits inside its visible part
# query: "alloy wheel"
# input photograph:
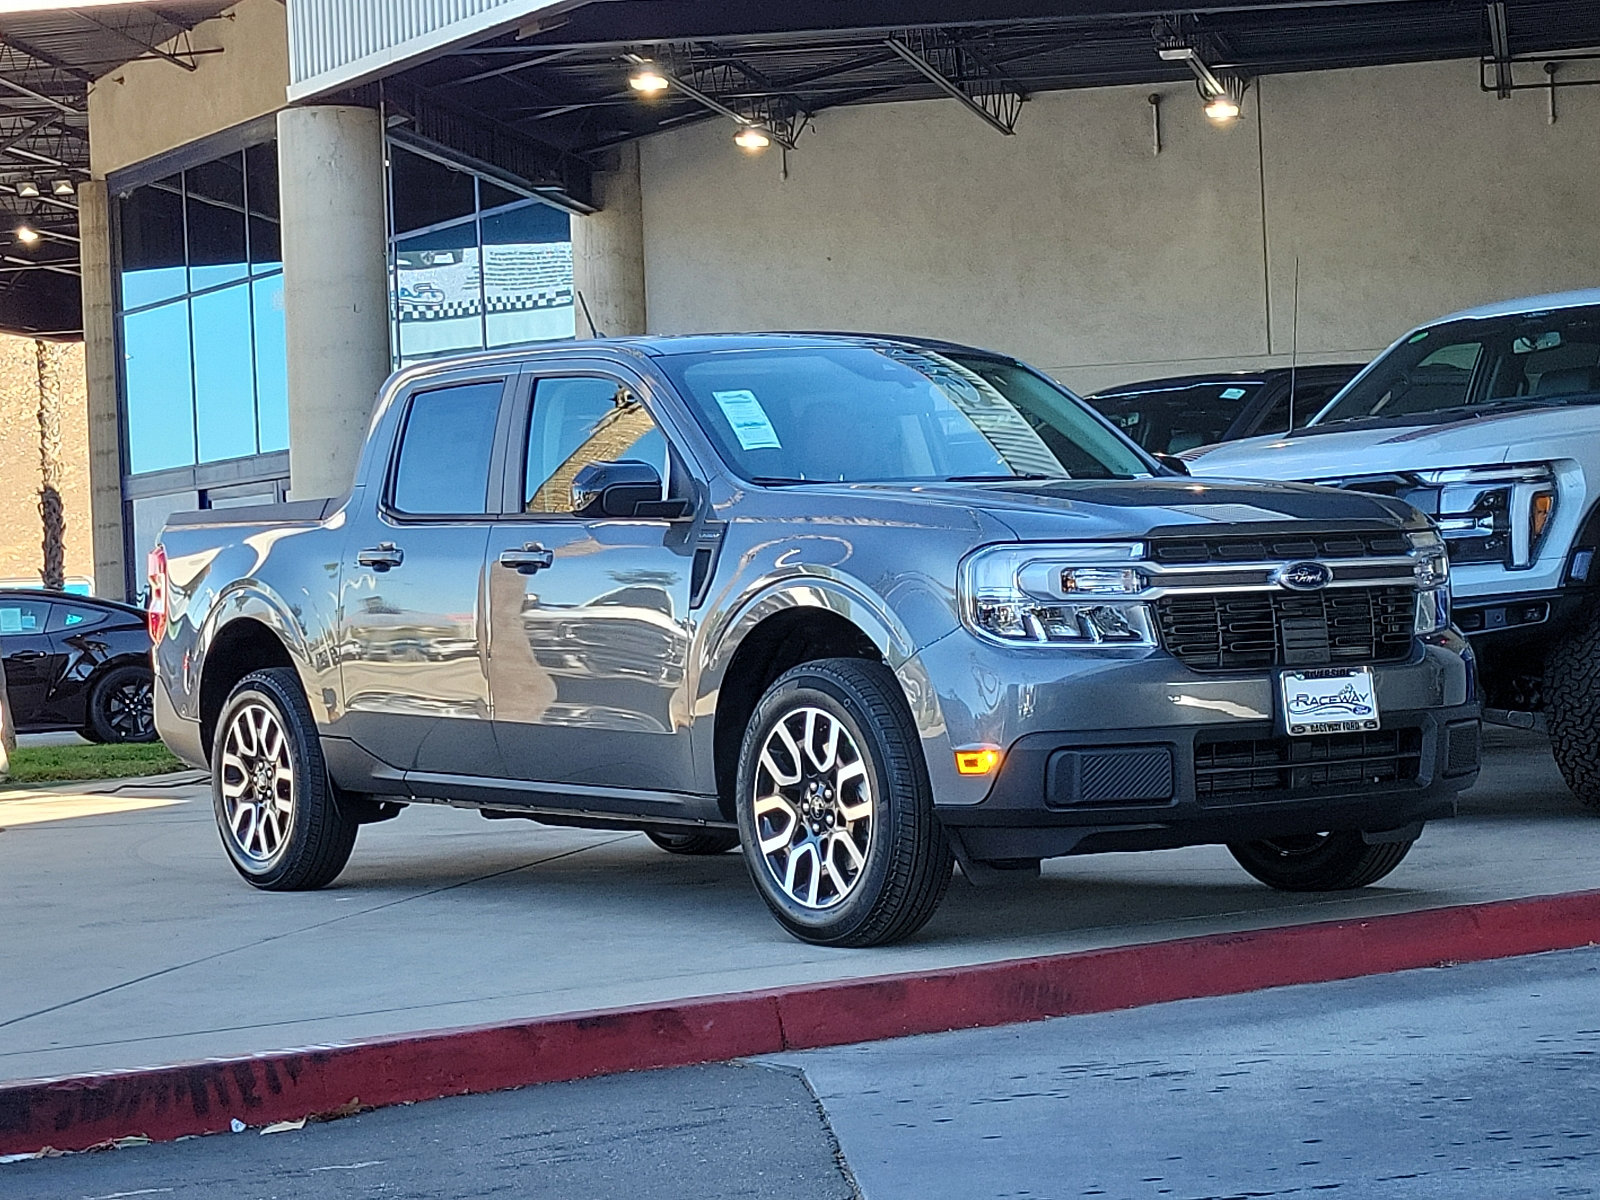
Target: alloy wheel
(257, 782)
(130, 711)
(813, 807)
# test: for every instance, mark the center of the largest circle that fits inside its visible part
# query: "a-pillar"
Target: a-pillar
(100, 371)
(608, 252)
(335, 288)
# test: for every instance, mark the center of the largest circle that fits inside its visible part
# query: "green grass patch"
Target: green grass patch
(69, 764)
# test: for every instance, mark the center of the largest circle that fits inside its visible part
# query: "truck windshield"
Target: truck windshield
(1469, 367)
(871, 414)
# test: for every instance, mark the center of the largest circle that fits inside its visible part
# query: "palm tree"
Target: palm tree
(52, 512)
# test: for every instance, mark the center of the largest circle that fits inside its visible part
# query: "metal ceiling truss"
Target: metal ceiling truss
(963, 68)
(728, 87)
(1498, 68)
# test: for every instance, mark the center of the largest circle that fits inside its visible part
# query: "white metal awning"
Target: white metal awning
(336, 44)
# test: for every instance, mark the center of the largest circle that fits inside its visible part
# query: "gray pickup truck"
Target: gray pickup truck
(864, 606)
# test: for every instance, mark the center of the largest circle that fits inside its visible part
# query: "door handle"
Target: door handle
(532, 557)
(28, 655)
(381, 557)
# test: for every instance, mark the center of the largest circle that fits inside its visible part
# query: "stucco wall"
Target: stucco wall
(1404, 191)
(149, 107)
(21, 534)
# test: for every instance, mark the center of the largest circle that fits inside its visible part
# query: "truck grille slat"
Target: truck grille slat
(1284, 629)
(1241, 767)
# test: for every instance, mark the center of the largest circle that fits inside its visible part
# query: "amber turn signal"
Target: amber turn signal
(976, 762)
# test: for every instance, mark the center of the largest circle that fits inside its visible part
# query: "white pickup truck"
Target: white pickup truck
(1489, 420)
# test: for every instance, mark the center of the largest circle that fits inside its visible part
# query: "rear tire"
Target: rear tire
(279, 816)
(836, 810)
(120, 707)
(1572, 707)
(712, 841)
(1319, 862)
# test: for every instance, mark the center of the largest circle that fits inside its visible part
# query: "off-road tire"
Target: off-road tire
(321, 832)
(711, 841)
(908, 861)
(1572, 706)
(1327, 862)
(104, 722)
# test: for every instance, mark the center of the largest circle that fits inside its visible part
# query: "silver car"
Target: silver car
(866, 607)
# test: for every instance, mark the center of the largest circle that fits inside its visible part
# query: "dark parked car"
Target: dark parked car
(1169, 416)
(76, 662)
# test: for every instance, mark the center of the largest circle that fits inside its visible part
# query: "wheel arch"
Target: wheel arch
(780, 628)
(243, 645)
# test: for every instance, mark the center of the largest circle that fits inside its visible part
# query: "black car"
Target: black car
(1169, 416)
(76, 662)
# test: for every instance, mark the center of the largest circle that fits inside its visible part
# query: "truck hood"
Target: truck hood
(1116, 509)
(1523, 436)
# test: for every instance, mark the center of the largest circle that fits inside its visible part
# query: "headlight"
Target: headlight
(1433, 581)
(1073, 595)
(1492, 514)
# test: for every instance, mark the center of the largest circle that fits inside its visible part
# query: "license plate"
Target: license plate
(1331, 700)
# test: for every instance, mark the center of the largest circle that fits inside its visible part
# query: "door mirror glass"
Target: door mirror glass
(628, 488)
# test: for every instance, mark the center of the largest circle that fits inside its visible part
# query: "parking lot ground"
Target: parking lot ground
(129, 941)
(1469, 1083)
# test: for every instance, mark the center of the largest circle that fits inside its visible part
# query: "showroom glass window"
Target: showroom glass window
(473, 265)
(200, 293)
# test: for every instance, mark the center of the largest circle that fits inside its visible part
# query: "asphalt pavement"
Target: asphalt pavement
(1476, 1082)
(127, 940)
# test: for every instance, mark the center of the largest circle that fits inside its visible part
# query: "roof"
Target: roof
(558, 79)
(1527, 304)
(47, 61)
(1175, 383)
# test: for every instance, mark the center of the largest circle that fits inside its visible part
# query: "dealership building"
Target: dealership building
(254, 212)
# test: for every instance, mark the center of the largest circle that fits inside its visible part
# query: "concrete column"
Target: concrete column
(608, 252)
(335, 288)
(100, 370)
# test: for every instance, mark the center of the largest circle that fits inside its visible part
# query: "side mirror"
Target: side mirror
(1173, 463)
(623, 489)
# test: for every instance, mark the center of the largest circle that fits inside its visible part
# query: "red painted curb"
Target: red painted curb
(203, 1097)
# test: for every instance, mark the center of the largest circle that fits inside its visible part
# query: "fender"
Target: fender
(251, 599)
(810, 587)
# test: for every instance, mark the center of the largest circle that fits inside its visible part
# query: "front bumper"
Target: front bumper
(1173, 735)
(1159, 788)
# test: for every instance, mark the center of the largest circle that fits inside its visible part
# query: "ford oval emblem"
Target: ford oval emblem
(1304, 576)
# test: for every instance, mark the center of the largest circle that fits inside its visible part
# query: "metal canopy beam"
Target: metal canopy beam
(962, 74)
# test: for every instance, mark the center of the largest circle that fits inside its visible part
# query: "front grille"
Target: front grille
(1242, 630)
(1279, 548)
(1252, 766)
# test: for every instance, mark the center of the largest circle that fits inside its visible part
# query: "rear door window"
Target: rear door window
(20, 618)
(446, 449)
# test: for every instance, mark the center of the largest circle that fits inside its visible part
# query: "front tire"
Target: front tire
(121, 707)
(277, 811)
(835, 808)
(1572, 707)
(711, 841)
(1319, 862)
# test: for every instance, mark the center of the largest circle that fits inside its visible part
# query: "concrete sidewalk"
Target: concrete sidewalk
(128, 941)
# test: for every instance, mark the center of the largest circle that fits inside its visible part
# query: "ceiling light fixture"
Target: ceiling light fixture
(27, 189)
(752, 137)
(27, 235)
(648, 81)
(63, 187)
(1222, 108)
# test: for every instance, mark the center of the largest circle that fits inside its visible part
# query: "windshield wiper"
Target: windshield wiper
(1026, 476)
(778, 480)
